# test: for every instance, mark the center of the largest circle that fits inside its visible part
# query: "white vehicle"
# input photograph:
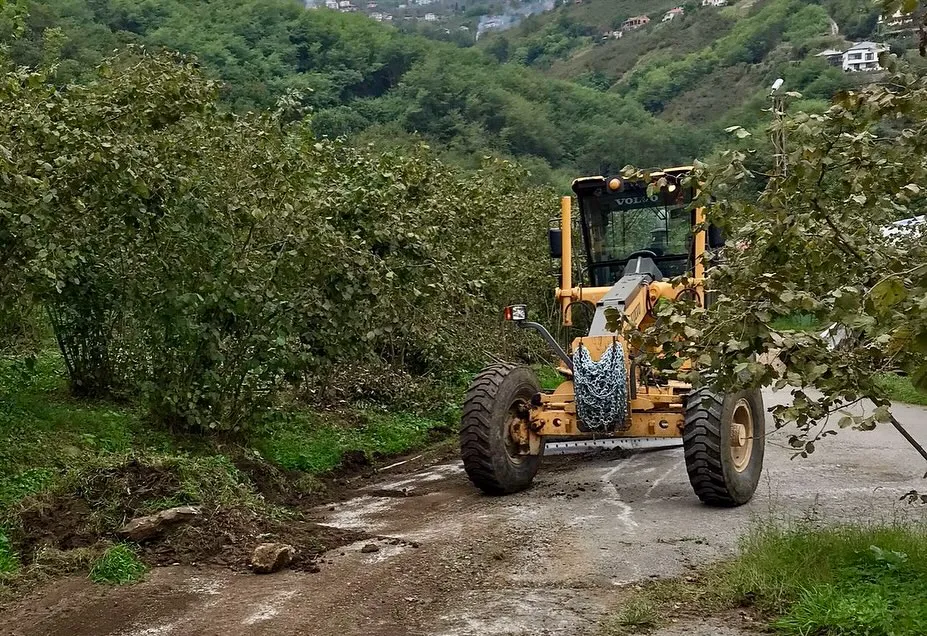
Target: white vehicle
(835, 334)
(904, 226)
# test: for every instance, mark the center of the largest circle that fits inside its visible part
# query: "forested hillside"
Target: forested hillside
(561, 93)
(357, 76)
(710, 66)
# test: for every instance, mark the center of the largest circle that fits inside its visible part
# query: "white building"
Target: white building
(673, 13)
(898, 21)
(376, 15)
(863, 56)
(636, 22)
(714, 3)
(431, 17)
(833, 56)
(332, 4)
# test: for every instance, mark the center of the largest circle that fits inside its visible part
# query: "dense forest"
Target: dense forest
(356, 76)
(550, 94)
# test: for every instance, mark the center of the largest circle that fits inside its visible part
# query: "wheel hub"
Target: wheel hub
(519, 437)
(741, 435)
(738, 434)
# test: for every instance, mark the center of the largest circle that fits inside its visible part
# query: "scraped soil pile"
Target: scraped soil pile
(108, 498)
(101, 503)
(228, 538)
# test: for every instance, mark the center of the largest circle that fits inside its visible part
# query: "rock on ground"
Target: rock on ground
(271, 557)
(150, 526)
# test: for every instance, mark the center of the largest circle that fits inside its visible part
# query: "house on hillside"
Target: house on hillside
(376, 15)
(714, 3)
(345, 6)
(897, 22)
(672, 14)
(863, 56)
(833, 57)
(331, 4)
(635, 23)
(431, 17)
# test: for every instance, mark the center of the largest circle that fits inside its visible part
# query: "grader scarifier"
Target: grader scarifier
(636, 237)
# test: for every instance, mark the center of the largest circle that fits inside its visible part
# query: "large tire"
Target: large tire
(494, 397)
(724, 462)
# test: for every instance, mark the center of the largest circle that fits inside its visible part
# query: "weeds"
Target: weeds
(9, 561)
(839, 580)
(118, 565)
(638, 616)
(83, 468)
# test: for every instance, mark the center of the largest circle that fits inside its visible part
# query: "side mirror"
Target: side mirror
(715, 237)
(555, 242)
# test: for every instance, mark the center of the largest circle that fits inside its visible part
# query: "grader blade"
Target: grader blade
(630, 443)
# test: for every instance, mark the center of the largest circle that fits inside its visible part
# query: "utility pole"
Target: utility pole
(777, 133)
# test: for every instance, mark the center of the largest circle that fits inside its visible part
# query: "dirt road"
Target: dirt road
(450, 562)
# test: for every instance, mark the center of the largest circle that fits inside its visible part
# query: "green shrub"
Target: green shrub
(204, 261)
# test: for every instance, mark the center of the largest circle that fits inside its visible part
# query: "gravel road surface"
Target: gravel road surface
(553, 560)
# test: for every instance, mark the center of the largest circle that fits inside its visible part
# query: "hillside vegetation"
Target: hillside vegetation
(357, 77)
(710, 67)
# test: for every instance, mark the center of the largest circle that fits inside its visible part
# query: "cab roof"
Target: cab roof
(587, 183)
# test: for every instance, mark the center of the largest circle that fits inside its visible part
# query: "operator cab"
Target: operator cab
(625, 229)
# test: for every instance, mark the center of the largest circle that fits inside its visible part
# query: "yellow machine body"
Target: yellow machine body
(656, 410)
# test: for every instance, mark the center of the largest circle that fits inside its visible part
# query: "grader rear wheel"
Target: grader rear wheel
(724, 441)
(495, 408)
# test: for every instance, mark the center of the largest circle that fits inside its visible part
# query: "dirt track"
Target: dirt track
(553, 560)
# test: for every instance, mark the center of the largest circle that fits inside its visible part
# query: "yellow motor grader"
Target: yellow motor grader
(638, 235)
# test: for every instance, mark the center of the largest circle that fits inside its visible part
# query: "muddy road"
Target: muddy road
(448, 561)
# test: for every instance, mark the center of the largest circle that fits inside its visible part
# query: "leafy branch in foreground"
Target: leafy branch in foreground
(819, 242)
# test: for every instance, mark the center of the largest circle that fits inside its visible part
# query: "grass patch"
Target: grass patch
(118, 565)
(835, 581)
(637, 617)
(318, 443)
(548, 376)
(900, 389)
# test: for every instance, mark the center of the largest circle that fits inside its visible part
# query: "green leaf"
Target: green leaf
(887, 293)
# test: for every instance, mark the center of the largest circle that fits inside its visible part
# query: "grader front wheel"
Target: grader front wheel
(724, 442)
(495, 412)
